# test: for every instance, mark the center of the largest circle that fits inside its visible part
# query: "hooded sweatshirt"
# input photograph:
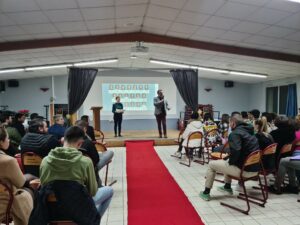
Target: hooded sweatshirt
(64, 163)
(193, 126)
(242, 142)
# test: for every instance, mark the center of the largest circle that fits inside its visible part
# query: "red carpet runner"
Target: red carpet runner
(154, 197)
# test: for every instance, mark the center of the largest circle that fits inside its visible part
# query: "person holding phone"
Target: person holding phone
(117, 110)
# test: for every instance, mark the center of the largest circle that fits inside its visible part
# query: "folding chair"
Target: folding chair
(177, 141)
(3, 189)
(31, 163)
(102, 148)
(252, 159)
(197, 135)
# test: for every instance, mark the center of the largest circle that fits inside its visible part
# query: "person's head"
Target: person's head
(281, 122)
(207, 117)
(261, 125)
(58, 119)
(4, 139)
(20, 117)
(235, 113)
(244, 115)
(235, 120)
(85, 118)
(195, 116)
(74, 137)
(160, 92)
(33, 116)
(5, 119)
(38, 126)
(118, 99)
(82, 124)
(225, 118)
(265, 114)
(273, 116)
(254, 114)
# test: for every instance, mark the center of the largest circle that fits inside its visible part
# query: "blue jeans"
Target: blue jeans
(103, 198)
(105, 157)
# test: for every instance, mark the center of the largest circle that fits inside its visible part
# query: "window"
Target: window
(276, 99)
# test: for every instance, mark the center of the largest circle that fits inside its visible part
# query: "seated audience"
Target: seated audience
(34, 116)
(67, 163)
(270, 122)
(245, 117)
(194, 125)
(242, 142)
(284, 134)
(11, 174)
(261, 129)
(209, 125)
(14, 136)
(38, 140)
(89, 148)
(224, 126)
(58, 129)
(18, 123)
(90, 130)
(253, 115)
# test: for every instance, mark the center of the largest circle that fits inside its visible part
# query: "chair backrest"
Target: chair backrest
(3, 189)
(31, 163)
(100, 134)
(100, 147)
(254, 158)
(196, 135)
(287, 148)
(269, 150)
(296, 144)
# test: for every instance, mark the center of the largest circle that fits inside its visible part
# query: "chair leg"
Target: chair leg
(256, 200)
(246, 199)
(106, 174)
(189, 155)
(201, 155)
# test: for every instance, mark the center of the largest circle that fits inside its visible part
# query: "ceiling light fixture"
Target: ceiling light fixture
(297, 1)
(104, 61)
(217, 70)
(133, 57)
(11, 70)
(46, 67)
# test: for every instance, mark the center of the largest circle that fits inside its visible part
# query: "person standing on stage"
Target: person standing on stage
(161, 107)
(118, 111)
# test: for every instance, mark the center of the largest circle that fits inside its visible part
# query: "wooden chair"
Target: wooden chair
(100, 134)
(51, 203)
(31, 163)
(197, 135)
(252, 159)
(3, 189)
(177, 141)
(102, 148)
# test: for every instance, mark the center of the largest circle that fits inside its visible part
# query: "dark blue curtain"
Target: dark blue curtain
(291, 105)
(187, 84)
(79, 84)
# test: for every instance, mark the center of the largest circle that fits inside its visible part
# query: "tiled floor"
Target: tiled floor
(281, 210)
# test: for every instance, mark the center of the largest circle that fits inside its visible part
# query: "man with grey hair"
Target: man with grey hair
(242, 143)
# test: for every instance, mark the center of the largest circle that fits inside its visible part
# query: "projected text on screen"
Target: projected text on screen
(135, 97)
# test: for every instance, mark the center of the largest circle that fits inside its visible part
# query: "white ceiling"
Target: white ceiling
(261, 24)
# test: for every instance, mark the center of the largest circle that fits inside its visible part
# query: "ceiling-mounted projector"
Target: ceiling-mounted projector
(139, 49)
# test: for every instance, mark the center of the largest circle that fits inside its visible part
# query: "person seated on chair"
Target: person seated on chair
(90, 130)
(22, 185)
(68, 163)
(253, 115)
(14, 135)
(18, 123)
(194, 125)
(284, 134)
(37, 140)
(89, 148)
(223, 126)
(209, 125)
(242, 142)
(261, 129)
(58, 129)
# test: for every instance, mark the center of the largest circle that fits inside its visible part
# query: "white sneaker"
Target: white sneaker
(177, 154)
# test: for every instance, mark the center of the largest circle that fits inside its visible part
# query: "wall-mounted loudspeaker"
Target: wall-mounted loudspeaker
(13, 83)
(2, 86)
(228, 84)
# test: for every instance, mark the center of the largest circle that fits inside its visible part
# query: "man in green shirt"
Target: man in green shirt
(67, 163)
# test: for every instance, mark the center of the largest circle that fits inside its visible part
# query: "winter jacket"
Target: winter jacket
(73, 202)
(282, 136)
(89, 148)
(20, 127)
(193, 126)
(68, 164)
(57, 130)
(242, 142)
(264, 140)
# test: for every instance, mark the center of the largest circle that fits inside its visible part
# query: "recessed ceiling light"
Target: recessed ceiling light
(133, 57)
(298, 1)
(128, 24)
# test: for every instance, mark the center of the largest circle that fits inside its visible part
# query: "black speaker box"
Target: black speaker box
(2, 86)
(13, 83)
(228, 84)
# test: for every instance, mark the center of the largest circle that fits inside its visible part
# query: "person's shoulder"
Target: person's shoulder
(86, 161)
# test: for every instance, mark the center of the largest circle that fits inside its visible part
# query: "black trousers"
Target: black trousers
(161, 120)
(118, 117)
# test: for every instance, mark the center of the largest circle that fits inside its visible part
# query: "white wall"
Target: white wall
(258, 91)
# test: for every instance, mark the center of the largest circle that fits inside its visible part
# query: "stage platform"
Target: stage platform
(113, 141)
